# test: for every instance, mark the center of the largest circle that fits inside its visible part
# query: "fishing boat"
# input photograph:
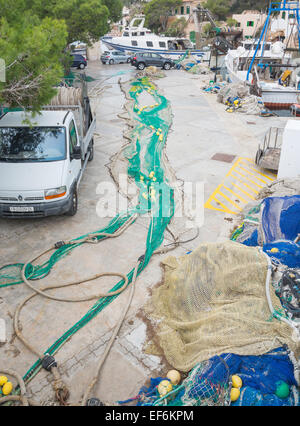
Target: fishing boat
(269, 67)
(137, 38)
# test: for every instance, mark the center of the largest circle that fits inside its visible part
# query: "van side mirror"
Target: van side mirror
(76, 154)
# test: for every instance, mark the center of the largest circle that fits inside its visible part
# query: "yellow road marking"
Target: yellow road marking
(245, 177)
(228, 199)
(249, 187)
(262, 174)
(242, 176)
(253, 174)
(245, 192)
(234, 193)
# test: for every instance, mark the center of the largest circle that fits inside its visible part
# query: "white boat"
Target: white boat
(274, 94)
(137, 38)
(238, 61)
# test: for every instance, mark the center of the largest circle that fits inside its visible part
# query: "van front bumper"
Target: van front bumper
(51, 208)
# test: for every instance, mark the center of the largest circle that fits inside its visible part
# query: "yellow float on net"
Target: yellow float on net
(174, 377)
(3, 380)
(160, 138)
(164, 387)
(151, 175)
(7, 388)
(236, 381)
(234, 394)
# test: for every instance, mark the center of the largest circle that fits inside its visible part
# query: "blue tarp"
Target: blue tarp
(261, 375)
(278, 228)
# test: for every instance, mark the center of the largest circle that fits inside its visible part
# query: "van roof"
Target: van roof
(44, 119)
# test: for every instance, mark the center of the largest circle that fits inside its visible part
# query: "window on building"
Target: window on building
(149, 43)
(283, 15)
(176, 11)
(188, 10)
(238, 24)
(291, 16)
(250, 24)
(182, 10)
(134, 43)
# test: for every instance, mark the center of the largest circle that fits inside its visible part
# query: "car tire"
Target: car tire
(74, 205)
(91, 149)
(111, 62)
(140, 66)
(167, 66)
(81, 66)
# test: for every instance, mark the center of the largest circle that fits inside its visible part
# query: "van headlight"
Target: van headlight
(50, 194)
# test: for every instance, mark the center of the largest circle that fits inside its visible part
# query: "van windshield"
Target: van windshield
(18, 144)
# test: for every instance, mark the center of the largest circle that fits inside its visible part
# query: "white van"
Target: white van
(41, 163)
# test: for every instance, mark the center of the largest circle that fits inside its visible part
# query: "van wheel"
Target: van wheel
(91, 149)
(82, 66)
(167, 66)
(74, 205)
(128, 61)
(111, 61)
(141, 66)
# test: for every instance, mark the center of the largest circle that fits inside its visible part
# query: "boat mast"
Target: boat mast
(284, 6)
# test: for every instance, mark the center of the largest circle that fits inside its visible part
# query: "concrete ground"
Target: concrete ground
(201, 128)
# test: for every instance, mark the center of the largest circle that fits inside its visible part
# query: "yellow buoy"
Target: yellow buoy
(174, 377)
(234, 394)
(164, 387)
(237, 381)
(3, 380)
(274, 250)
(7, 388)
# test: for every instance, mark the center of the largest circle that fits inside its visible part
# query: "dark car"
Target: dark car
(142, 60)
(79, 61)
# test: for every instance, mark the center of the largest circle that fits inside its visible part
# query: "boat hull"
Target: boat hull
(280, 99)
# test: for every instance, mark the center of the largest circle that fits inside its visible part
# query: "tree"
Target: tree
(157, 13)
(231, 22)
(176, 29)
(32, 51)
(115, 9)
(219, 8)
(86, 20)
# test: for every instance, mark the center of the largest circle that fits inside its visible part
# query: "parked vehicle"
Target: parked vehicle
(115, 57)
(79, 61)
(41, 165)
(142, 60)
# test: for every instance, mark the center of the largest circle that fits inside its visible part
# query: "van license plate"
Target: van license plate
(21, 209)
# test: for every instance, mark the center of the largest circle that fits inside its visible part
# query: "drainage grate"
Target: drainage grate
(226, 158)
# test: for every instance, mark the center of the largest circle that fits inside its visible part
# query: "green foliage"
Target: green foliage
(176, 29)
(240, 5)
(157, 13)
(86, 20)
(32, 50)
(115, 9)
(219, 8)
(231, 22)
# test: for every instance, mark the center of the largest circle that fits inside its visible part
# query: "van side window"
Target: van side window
(73, 136)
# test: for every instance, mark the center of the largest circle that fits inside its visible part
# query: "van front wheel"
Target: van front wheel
(74, 204)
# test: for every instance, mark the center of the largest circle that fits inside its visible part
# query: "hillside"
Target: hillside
(241, 5)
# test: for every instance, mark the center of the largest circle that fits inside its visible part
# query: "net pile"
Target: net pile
(213, 301)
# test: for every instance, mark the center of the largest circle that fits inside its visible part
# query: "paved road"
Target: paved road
(201, 128)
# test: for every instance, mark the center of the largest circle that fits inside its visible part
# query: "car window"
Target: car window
(73, 136)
